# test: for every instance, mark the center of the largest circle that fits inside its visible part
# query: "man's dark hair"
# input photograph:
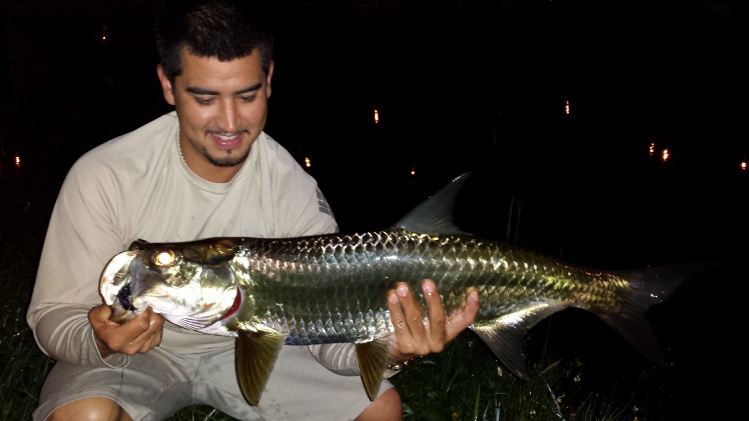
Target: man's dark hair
(225, 29)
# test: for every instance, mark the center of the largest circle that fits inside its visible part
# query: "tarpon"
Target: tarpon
(332, 288)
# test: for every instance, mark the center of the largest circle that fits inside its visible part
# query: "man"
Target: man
(207, 169)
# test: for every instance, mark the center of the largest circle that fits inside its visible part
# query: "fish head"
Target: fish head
(181, 281)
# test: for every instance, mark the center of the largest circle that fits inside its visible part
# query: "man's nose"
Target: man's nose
(228, 119)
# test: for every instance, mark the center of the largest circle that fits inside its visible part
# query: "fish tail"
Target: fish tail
(649, 286)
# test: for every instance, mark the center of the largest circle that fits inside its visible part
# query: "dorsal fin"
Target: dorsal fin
(435, 214)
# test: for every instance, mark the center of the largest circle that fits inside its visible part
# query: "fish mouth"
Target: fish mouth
(116, 275)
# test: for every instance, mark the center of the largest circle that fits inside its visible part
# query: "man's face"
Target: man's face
(222, 108)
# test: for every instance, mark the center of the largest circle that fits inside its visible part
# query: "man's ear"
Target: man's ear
(166, 85)
(268, 89)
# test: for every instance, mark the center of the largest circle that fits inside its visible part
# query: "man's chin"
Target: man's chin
(226, 161)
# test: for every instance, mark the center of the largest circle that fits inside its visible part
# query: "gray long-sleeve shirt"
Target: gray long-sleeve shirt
(137, 186)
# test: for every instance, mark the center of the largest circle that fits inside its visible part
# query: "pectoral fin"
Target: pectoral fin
(256, 353)
(373, 358)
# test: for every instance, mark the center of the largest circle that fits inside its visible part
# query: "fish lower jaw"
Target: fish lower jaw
(120, 314)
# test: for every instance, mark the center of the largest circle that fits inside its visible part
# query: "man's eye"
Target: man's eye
(248, 98)
(203, 101)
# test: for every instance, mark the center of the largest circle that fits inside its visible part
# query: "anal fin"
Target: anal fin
(372, 357)
(255, 356)
(505, 335)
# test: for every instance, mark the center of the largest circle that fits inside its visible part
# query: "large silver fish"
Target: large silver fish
(332, 288)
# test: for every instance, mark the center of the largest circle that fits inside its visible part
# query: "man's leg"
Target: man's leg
(387, 407)
(90, 409)
(152, 386)
(299, 388)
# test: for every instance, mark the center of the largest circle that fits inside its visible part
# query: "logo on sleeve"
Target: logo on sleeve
(323, 204)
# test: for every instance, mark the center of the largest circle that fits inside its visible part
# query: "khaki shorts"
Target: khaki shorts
(155, 385)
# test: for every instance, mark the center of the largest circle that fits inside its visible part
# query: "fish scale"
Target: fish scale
(301, 282)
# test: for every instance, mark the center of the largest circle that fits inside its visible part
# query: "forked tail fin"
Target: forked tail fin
(650, 286)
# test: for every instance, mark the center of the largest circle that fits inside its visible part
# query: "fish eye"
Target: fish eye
(164, 258)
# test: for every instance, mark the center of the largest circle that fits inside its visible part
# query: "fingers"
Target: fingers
(413, 334)
(414, 317)
(151, 336)
(408, 323)
(460, 319)
(140, 334)
(437, 319)
(100, 313)
(402, 343)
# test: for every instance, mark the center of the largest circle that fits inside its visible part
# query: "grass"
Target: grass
(464, 382)
(23, 365)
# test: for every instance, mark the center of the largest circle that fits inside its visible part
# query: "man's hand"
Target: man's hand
(140, 334)
(415, 336)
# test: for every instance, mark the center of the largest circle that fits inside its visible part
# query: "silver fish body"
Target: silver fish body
(332, 288)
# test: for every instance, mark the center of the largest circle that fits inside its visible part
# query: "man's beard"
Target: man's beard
(229, 161)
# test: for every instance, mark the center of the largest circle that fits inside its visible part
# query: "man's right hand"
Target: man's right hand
(139, 334)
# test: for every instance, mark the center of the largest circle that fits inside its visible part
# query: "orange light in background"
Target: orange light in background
(307, 162)
(413, 171)
(665, 155)
(743, 165)
(17, 161)
(376, 116)
(567, 108)
(652, 149)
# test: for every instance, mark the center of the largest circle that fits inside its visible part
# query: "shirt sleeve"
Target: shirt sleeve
(341, 359)
(80, 239)
(338, 358)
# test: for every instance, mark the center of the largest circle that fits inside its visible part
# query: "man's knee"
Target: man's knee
(387, 407)
(90, 409)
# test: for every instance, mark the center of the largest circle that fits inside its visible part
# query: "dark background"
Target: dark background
(463, 86)
(459, 86)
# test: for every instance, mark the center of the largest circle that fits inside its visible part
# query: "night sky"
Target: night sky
(459, 86)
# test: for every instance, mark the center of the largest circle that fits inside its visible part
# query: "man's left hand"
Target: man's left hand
(415, 336)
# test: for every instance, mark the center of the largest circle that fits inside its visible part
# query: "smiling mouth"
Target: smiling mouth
(227, 141)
